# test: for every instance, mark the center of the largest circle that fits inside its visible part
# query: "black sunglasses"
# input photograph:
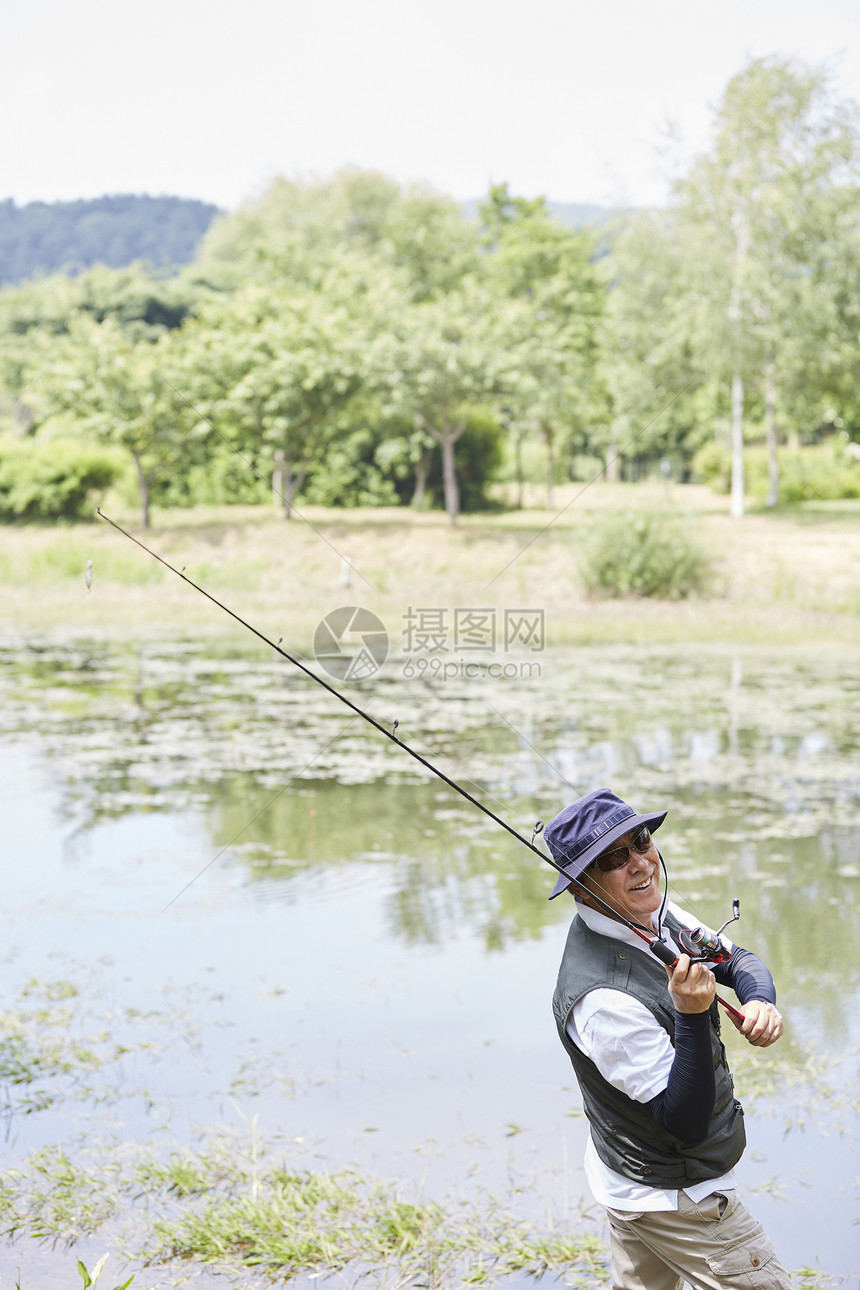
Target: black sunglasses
(620, 855)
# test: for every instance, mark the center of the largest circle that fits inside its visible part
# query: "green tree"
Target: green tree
(406, 453)
(755, 215)
(296, 230)
(444, 357)
(551, 270)
(279, 372)
(42, 237)
(646, 362)
(121, 392)
(429, 243)
(144, 305)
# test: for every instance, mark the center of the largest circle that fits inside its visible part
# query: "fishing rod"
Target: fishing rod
(658, 947)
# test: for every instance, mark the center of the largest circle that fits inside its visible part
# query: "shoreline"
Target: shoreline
(786, 579)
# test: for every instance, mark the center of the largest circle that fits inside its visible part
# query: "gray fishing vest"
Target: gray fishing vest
(626, 1136)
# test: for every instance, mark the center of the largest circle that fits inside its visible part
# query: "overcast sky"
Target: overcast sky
(210, 98)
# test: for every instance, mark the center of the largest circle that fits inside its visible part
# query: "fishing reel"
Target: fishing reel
(705, 946)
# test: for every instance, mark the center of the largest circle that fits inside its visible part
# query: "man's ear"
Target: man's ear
(582, 893)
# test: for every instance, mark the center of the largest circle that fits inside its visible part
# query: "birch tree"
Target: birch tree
(756, 213)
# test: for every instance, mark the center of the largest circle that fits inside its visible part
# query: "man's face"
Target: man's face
(633, 890)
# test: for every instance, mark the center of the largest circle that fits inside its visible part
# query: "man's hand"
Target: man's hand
(762, 1024)
(691, 985)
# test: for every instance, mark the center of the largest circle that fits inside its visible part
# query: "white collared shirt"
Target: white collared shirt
(634, 1054)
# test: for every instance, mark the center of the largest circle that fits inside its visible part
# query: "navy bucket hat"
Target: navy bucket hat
(587, 828)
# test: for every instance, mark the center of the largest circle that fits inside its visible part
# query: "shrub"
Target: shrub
(224, 478)
(349, 475)
(56, 479)
(643, 553)
(821, 472)
(712, 464)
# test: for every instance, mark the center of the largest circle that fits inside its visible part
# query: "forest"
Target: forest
(352, 342)
(42, 237)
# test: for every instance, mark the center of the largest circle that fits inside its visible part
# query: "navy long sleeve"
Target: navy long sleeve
(747, 976)
(684, 1107)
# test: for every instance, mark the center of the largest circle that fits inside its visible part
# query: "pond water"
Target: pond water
(291, 930)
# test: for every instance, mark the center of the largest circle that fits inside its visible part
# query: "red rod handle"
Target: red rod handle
(734, 1011)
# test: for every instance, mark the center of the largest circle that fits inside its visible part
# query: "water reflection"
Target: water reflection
(756, 758)
(393, 943)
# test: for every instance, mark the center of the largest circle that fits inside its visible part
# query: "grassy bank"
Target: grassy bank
(247, 1206)
(226, 1205)
(791, 576)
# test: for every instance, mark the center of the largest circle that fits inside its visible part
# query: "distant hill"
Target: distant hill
(573, 214)
(42, 237)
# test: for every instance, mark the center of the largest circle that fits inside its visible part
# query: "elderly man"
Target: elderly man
(644, 1040)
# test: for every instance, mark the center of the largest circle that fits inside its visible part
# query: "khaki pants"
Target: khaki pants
(714, 1245)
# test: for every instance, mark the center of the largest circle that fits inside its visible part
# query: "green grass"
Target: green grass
(787, 576)
(53, 1048)
(62, 558)
(91, 1278)
(815, 1091)
(284, 1222)
(224, 1207)
(220, 1206)
(236, 1203)
(35, 1044)
(56, 1198)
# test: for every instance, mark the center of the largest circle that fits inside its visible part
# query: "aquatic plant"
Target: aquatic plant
(285, 1221)
(90, 1278)
(218, 1205)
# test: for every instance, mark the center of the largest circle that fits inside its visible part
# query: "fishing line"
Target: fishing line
(389, 734)
(659, 948)
(536, 751)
